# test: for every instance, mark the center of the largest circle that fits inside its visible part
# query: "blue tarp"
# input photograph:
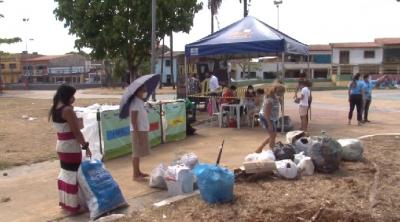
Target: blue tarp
(248, 37)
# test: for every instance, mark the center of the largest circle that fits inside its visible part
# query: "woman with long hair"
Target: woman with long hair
(356, 96)
(70, 143)
(269, 114)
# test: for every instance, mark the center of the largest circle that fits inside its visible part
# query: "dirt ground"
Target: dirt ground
(347, 195)
(33, 191)
(26, 142)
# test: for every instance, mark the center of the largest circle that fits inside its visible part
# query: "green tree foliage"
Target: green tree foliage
(122, 28)
(214, 6)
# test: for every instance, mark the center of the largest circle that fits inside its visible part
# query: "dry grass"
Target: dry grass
(26, 142)
(343, 196)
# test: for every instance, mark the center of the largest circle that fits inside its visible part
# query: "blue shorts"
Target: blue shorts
(265, 124)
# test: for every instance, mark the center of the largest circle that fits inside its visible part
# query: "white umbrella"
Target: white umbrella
(150, 81)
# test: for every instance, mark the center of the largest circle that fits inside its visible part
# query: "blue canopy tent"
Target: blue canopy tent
(246, 38)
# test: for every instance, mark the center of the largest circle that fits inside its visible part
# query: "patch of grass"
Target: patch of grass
(4, 165)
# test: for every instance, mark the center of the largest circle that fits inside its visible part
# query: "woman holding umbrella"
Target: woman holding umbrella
(132, 106)
(139, 129)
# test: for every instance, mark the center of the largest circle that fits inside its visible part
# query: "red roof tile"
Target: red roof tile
(44, 58)
(320, 47)
(388, 41)
(356, 45)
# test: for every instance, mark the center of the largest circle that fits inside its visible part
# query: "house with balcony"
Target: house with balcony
(358, 57)
(69, 68)
(268, 68)
(11, 66)
(391, 55)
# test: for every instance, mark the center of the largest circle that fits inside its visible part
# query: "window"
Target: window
(269, 75)
(168, 63)
(370, 54)
(245, 75)
(344, 57)
(3, 66)
(12, 66)
(321, 73)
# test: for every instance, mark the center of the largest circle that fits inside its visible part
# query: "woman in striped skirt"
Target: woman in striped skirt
(70, 143)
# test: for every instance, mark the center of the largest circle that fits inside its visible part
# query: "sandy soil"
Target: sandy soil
(119, 91)
(343, 196)
(23, 141)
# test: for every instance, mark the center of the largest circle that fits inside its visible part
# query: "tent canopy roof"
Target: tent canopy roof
(246, 38)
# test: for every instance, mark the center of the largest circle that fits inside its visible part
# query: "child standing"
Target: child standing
(269, 115)
(139, 128)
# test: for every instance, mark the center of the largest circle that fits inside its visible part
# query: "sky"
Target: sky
(309, 21)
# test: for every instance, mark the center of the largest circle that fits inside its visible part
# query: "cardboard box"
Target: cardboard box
(259, 166)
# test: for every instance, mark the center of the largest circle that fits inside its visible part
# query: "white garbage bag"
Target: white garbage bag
(286, 169)
(263, 156)
(293, 136)
(179, 179)
(303, 145)
(157, 177)
(306, 166)
(189, 159)
(298, 157)
(352, 149)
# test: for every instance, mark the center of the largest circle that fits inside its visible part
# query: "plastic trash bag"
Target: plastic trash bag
(287, 125)
(352, 149)
(157, 177)
(284, 151)
(263, 156)
(293, 136)
(189, 159)
(286, 169)
(326, 154)
(306, 166)
(101, 192)
(298, 157)
(303, 145)
(179, 180)
(215, 183)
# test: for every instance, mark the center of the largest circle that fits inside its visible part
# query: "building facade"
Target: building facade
(166, 77)
(11, 67)
(69, 68)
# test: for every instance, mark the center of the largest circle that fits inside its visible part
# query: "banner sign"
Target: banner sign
(116, 132)
(175, 121)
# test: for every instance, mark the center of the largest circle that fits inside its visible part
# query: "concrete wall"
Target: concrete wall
(357, 56)
(166, 69)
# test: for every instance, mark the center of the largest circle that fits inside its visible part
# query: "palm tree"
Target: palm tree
(245, 4)
(214, 6)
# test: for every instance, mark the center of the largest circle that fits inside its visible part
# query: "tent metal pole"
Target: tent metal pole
(186, 78)
(283, 97)
(308, 66)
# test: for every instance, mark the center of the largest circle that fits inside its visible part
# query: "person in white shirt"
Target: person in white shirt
(304, 103)
(139, 129)
(213, 84)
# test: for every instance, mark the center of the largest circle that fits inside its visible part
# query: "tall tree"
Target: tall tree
(121, 28)
(214, 6)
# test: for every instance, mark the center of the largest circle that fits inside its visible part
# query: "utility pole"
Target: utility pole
(277, 3)
(245, 7)
(153, 40)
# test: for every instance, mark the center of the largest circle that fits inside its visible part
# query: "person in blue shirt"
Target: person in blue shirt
(356, 95)
(369, 85)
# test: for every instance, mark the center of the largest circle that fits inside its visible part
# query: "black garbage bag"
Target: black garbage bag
(284, 151)
(326, 154)
(287, 125)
